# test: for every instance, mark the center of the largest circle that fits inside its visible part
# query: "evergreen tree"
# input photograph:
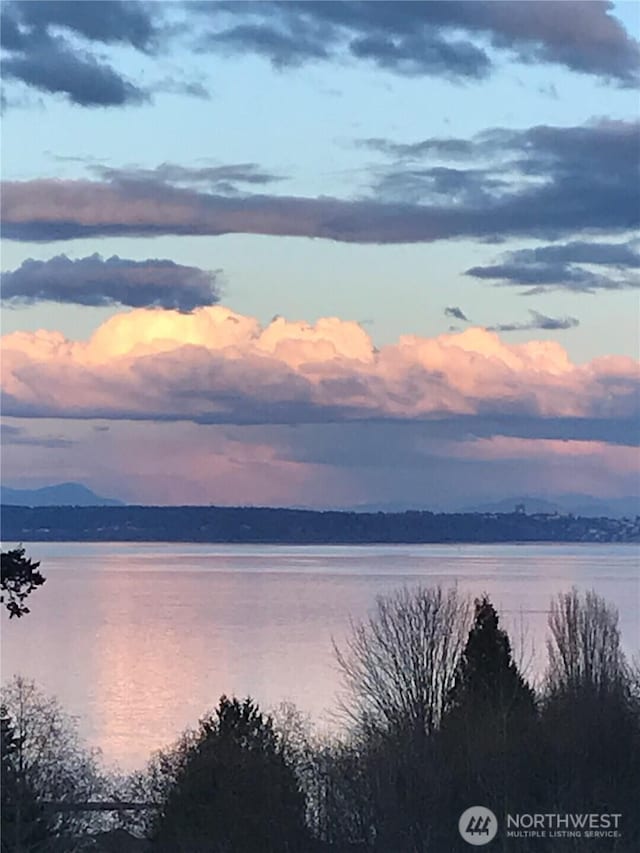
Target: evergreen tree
(233, 789)
(486, 742)
(488, 679)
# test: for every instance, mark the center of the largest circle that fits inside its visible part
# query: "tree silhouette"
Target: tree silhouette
(232, 789)
(19, 577)
(487, 678)
(486, 743)
(24, 826)
(590, 723)
(46, 762)
(399, 666)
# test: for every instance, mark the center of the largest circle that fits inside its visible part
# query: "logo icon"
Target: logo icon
(478, 825)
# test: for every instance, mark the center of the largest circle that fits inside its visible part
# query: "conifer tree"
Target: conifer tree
(233, 790)
(487, 678)
(488, 753)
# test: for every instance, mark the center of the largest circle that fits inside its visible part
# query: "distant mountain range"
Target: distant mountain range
(584, 505)
(61, 494)
(75, 494)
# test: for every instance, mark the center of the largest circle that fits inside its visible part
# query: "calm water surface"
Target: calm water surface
(138, 640)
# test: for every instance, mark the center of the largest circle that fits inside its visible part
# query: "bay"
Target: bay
(139, 640)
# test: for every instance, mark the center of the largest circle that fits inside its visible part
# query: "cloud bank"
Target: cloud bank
(454, 39)
(113, 281)
(214, 366)
(543, 182)
(57, 47)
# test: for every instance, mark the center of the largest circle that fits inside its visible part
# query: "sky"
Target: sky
(322, 254)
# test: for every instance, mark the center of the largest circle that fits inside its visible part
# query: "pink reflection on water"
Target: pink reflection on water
(140, 640)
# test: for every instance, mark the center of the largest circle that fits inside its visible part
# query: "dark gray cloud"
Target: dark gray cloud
(457, 39)
(456, 313)
(437, 38)
(621, 255)
(548, 166)
(449, 148)
(578, 266)
(457, 187)
(51, 65)
(106, 21)
(95, 281)
(537, 321)
(220, 179)
(556, 181)
(40, 44)
(39, 56)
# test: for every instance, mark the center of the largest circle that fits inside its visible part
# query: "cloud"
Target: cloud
(456, 313)
(51, 46)
(214, 366)
(578, 266)
(50, 64)
(458, 40)
(18, 435)
(449, 39)
(220, 179)
(538, 321)
(104, 21)
(543, 182)
(112, 281)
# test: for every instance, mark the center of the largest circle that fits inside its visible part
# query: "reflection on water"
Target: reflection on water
(139, 640)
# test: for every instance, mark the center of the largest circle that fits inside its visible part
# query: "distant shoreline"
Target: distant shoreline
(274, 526)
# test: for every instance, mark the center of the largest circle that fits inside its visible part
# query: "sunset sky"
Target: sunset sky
(321, 254)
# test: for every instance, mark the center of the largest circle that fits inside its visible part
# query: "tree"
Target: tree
(590, 722)
(487, 678)
(19, 577)
(44, 762)
(399, 666)
(398, 669)
(584, 648)
(230, 789)
(25, 828)
(486, 740)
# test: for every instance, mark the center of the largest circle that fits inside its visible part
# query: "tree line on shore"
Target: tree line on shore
(263, 525)
(437, 715)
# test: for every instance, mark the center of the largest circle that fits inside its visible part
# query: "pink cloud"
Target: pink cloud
(217, 366)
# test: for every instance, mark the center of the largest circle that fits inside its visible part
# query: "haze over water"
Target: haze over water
(139, 640)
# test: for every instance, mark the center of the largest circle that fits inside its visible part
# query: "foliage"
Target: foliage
(487, 678)
(590, 720)
(439, 717)
(24, 823)
(230, 788)
(19, 577)
(45, 762)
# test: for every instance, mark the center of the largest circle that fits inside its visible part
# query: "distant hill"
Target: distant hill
(531, 505)
(61, 494)
(584, 505)
(297, 527)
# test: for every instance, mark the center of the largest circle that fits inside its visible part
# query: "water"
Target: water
(138, 640)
